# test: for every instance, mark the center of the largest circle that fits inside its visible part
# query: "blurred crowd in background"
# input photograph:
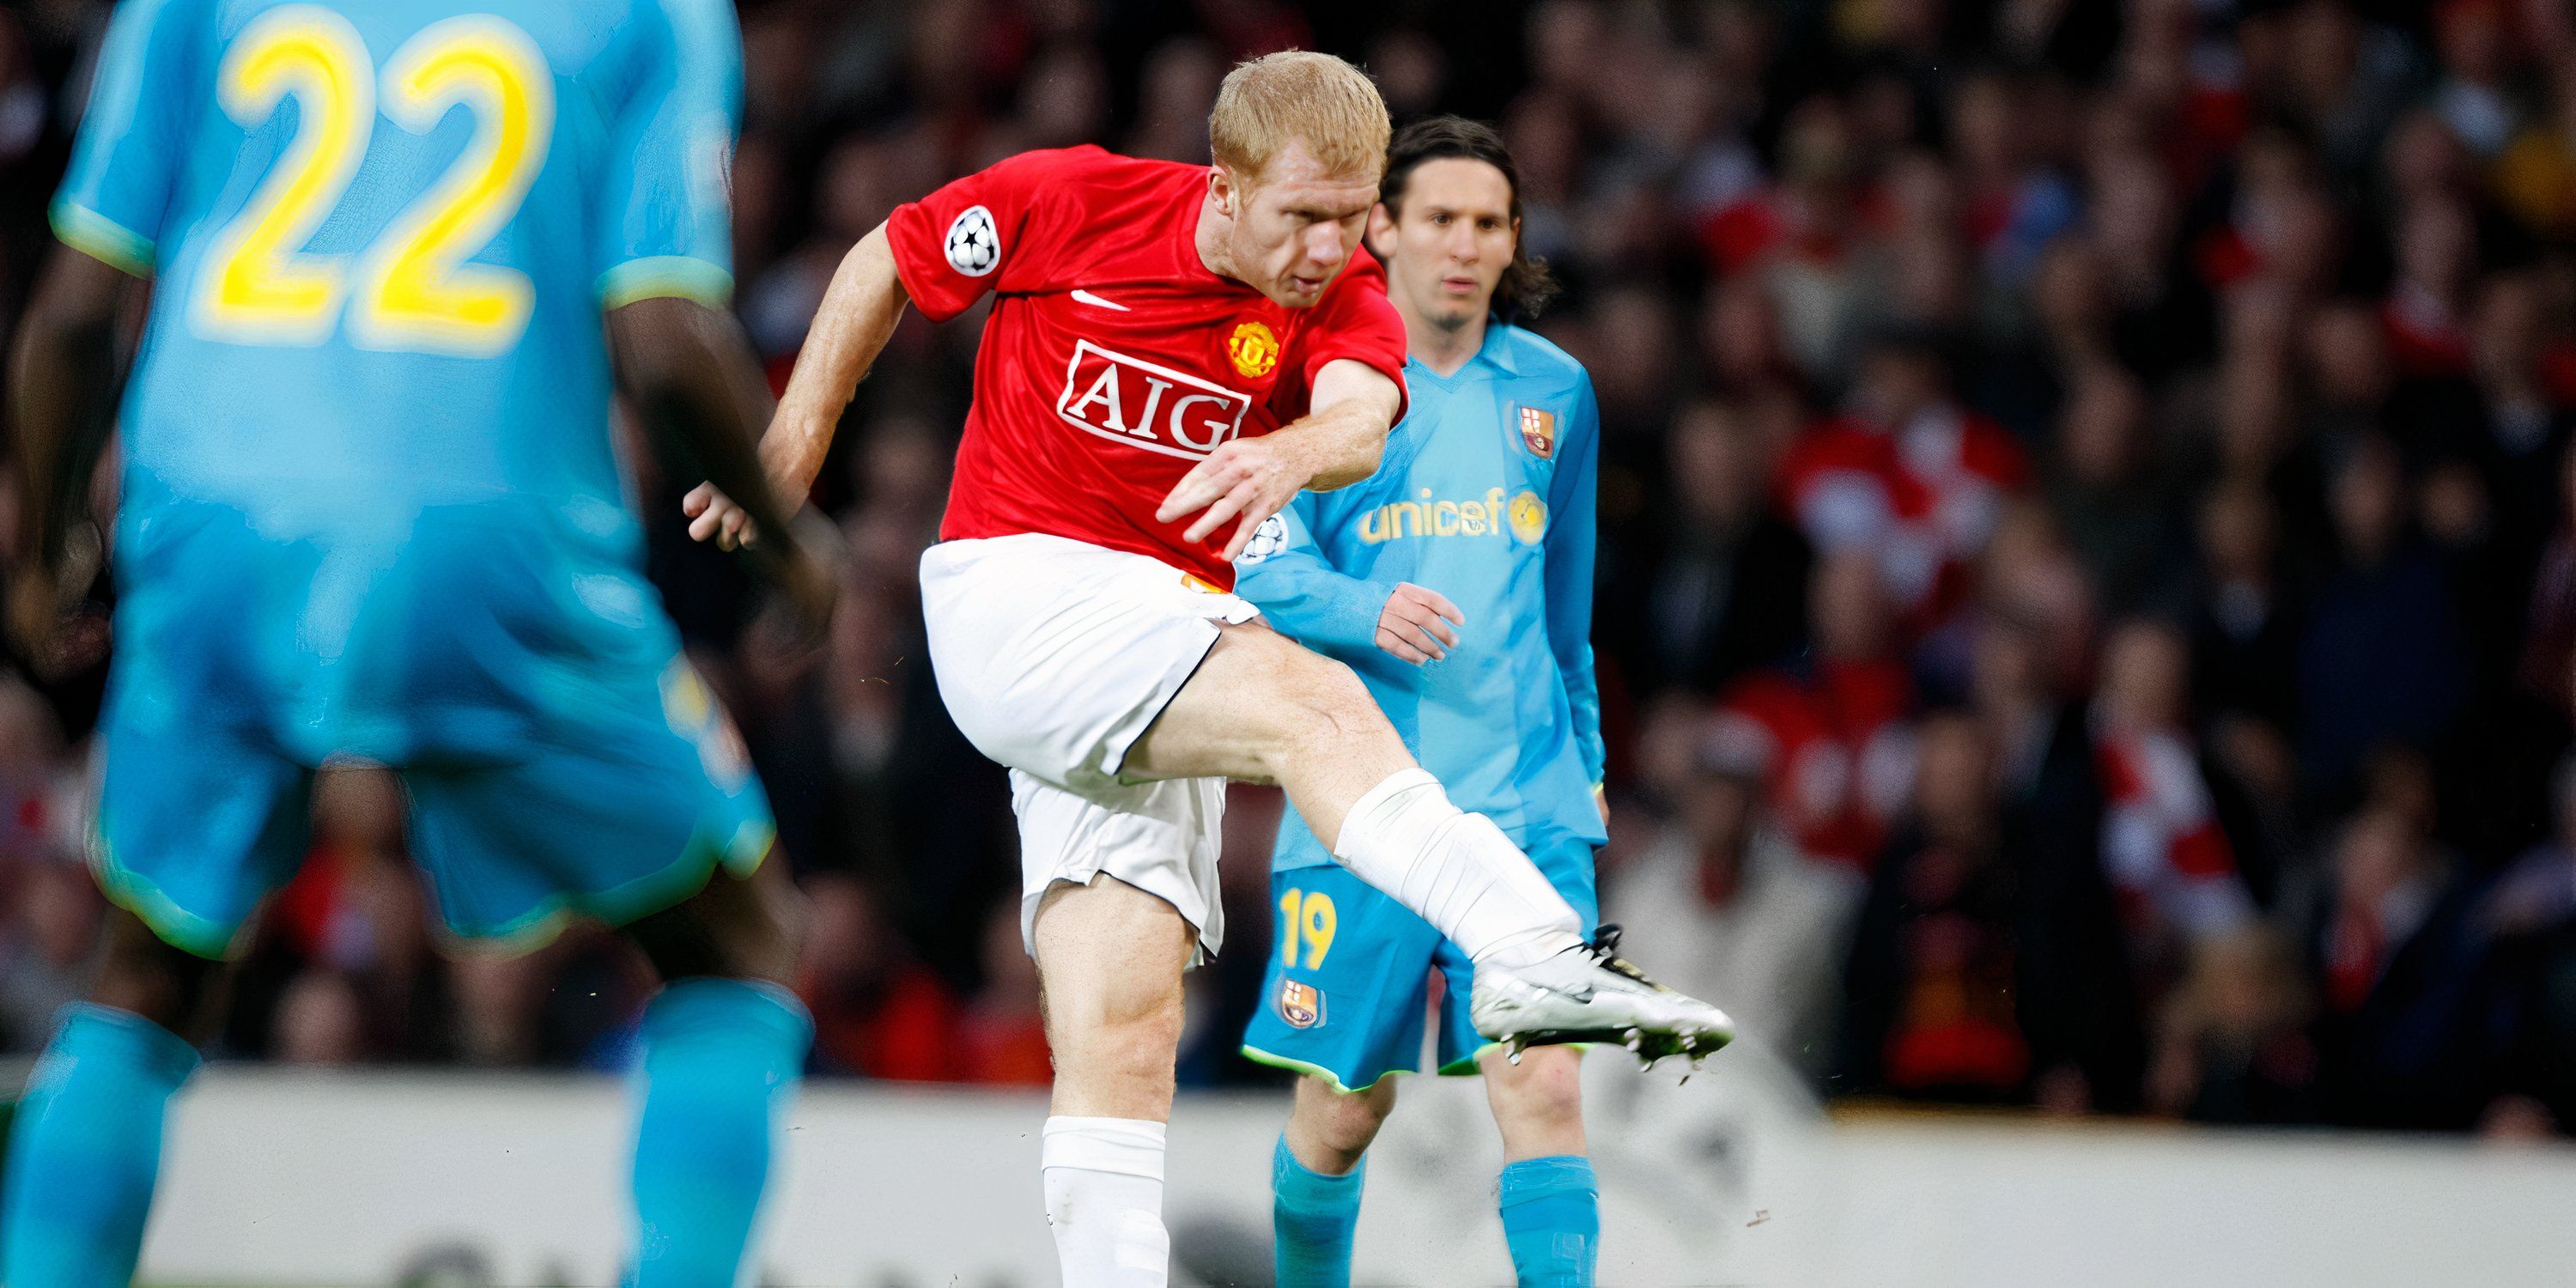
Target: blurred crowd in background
(2088, 563)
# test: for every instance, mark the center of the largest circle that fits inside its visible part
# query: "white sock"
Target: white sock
(1104, 1196)
(1455, 870)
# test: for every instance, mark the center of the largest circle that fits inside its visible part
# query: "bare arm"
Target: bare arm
(857, 317)
(1354, 409)
(66, 379)
(1337, 443)
(695, 384)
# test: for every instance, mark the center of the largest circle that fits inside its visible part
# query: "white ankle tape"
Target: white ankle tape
(1128, 1146)
(1383, 812)
(1104, 1194)
(1455, 870)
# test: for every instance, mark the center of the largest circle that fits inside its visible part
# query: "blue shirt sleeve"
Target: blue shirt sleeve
(133, 135)
(666, 227)
(1303, 594)
(1571, 536)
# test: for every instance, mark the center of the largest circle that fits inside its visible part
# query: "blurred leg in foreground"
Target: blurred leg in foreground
(86, 1143)
(724, 1046)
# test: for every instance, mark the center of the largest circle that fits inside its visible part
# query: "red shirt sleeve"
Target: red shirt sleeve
(984, 232)
(1353, 320)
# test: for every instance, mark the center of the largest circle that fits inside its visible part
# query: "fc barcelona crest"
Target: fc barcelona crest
(1538, 431)
(1302, 1005)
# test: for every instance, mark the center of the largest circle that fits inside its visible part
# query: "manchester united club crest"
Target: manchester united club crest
(1253, 349)
(1302, 1005)
(1538, 431)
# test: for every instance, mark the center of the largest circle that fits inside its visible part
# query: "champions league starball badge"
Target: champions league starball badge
(974, 247)
(1267, 540)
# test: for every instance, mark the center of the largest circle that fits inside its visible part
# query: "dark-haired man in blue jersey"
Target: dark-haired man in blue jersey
(1458, 582)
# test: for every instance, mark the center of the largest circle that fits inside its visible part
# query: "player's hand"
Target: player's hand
(1246, 479)
(1419, 624)
(713, 514)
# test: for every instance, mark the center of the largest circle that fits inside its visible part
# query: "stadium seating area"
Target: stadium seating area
(2088, 606)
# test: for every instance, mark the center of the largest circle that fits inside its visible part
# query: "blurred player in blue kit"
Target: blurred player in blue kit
(398, 254)
(1458, 582)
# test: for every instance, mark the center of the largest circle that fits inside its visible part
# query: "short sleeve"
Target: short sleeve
(1354, 320)
(133, 135)
(974, 235)
(666, 227)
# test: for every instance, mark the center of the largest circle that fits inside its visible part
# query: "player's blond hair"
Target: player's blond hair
(1296, 94)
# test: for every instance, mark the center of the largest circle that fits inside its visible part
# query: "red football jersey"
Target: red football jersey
(1114, 361)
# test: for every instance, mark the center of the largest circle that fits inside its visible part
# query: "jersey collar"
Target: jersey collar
(1495, 352)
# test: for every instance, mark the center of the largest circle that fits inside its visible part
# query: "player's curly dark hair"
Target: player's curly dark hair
(1526, 286)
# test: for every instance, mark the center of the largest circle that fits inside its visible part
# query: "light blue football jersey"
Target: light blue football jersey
(1485, 494)
(374, 388)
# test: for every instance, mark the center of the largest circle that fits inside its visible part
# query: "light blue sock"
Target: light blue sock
(1311, 1219)
(721, 1060)
(1552, 1220)
(85, 1147)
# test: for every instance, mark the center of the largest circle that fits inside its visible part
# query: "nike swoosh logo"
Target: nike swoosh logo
(1081, 296)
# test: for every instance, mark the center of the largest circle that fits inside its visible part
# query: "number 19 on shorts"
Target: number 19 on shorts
(1306, 916)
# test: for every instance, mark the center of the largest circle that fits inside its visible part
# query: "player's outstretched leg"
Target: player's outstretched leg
(724, 1046)
(85, 1147)
(1110, 958)
(1315, 1178)
(1550, 1202)
(1263, 709)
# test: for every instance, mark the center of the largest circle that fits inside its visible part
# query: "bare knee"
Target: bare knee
(1324, 709)
(1329, 1129)
(1537, 1103)
(1122, 1027)
(1109, 966)
(1114, 1037)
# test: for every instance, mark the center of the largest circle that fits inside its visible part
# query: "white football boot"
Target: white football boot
(1587, 994)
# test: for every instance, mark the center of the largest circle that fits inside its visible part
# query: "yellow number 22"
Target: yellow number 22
(1309, 913)
(415, 293)
(254, 289)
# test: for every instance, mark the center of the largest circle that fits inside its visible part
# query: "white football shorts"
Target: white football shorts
(1054, 656)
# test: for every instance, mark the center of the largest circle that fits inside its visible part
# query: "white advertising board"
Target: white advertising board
(279, 1179)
